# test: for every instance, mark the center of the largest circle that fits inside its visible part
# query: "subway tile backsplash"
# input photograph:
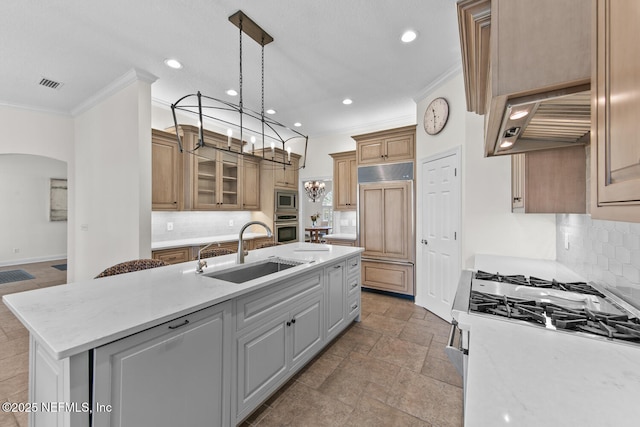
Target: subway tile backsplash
(602, 251)
(187, 225)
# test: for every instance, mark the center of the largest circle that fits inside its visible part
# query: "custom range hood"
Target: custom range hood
(560, 118)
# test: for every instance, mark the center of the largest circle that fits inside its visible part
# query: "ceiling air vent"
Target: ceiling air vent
(50, 83)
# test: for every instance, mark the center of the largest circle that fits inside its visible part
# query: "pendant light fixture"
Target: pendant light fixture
(241, 122)
(314, 189)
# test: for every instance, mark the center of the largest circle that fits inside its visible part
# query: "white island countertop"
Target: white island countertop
(522, 375)
(69, 319)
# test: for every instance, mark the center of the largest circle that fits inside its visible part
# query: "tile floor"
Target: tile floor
(14, 338)
(388, 370)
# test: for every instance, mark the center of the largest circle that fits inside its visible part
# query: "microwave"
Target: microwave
(286, 200)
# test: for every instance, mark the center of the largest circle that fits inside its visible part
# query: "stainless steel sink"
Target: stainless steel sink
(245, 272)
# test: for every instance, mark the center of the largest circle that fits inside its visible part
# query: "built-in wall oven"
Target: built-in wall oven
(286, 227)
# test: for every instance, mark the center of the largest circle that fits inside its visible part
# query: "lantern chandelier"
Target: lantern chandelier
(248, 124)
(314, 189)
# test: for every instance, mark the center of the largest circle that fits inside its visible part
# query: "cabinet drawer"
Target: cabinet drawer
(173, 256)
(353, 265)
(353, 285)
(259, 305)
(353, 307)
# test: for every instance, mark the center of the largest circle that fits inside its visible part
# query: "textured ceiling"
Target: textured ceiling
(323, 52)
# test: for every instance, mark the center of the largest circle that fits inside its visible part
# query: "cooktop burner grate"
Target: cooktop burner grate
(520, 280)
(613, 326)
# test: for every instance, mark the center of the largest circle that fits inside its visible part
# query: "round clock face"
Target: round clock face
(436, 115)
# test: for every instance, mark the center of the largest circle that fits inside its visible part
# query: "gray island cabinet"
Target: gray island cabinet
(168, 347)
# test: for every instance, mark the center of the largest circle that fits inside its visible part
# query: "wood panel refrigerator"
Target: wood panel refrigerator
(386, 227)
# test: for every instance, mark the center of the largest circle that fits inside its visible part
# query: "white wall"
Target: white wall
(24, 217)
(487, 224)
(42, 134)
(113, 177)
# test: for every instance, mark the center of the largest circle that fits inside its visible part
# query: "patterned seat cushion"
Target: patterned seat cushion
(129, 266)
(211, 252)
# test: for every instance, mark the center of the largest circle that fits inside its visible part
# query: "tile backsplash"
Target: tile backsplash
(607, 252)
(187, 225)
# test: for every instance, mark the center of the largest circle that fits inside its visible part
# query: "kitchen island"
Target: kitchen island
(169, 346)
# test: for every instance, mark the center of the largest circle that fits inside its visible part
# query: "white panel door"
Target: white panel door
(439, 247)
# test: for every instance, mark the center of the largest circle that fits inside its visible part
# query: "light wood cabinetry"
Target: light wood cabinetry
(166, 169)
(615, 147)
(250, 184)
(345, 181)
(142, 375)
(506, 57)
(392, 145)
(388, 276)
(286, 176)
(173, 255)
(549, 181)
(385, 231)
(474, 23)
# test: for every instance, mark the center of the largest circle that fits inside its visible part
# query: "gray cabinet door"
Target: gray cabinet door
(306, 331)
(262, 362)
(335, 299)
(174, 374)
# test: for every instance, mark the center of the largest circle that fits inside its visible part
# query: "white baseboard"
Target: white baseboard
(4, 263)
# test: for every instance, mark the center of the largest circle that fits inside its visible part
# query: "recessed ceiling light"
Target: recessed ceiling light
(408, 36)
(347, 101)
(297, 124)
(173, 63)
(232, 92)
(271, 111)
(518, 114)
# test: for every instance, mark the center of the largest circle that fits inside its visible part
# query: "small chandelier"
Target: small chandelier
(314, 189)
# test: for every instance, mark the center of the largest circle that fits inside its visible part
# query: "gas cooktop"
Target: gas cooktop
(573, 307)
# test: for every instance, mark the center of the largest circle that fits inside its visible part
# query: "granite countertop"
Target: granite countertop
(196, 241)
(525, 375)
(69, 319)
(341, 236)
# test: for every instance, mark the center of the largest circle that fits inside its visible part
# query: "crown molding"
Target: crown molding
(35, 109)
(447, 75)
(121, 82)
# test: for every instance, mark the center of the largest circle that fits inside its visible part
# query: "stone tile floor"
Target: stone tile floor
(388, 370)
(14, 338)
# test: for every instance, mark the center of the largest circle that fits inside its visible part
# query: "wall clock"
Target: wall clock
(436, 115)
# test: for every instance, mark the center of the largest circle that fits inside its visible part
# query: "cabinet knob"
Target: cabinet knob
(424, 242)
(288, 323)
(293, 320)
(337, 266)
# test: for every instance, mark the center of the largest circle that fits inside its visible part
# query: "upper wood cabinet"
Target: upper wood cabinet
(286, 176)
(166, 169)
(345, 181)
(615, 144)
(549, 181)
(250, 184)
(392, 145)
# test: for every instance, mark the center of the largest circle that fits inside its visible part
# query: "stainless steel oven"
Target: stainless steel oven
(286, 227)
(286, 201)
